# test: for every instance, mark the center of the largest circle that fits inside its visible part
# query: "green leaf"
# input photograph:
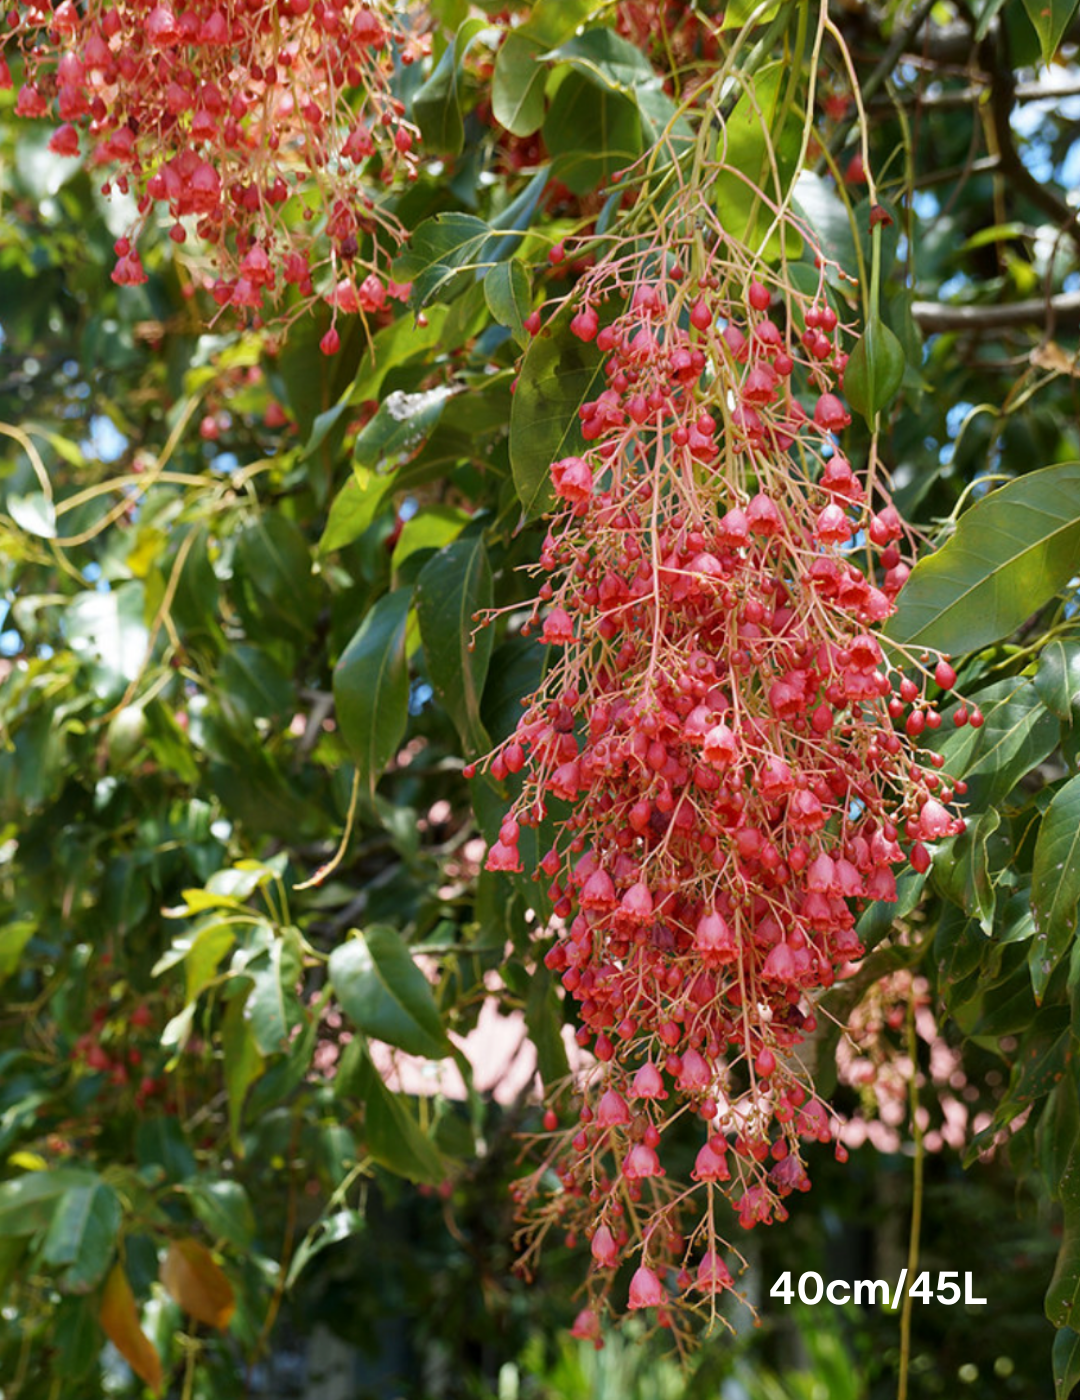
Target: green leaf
(452, 588)
(108, 633)
(243, 1065)
(386, 995)
(506, 289)
(552, 21)
(34, 513)
(592, 131)
(354, 508)
(431, 527)
(437, 106)
(401, 425)
(443, 256)
(1055, 883)
(1058, 678)
(1051, 19)
(874, 371)
(160, 1143)
(758, 159)
(987, 16)
(1011, 553)
(273, 557)
(559, 373)
(392, 1135)
(1066, 1358)
(252, 687)
(737, 12)
(608, 60)
(78, 1337)
(208, 946)
(1063, 1296)
(332, 1229)
(27, 1203)
(371, 686)
(225, 1210)
(82, 1235)
(964, 869)
(273, 1009)
(1017, 733)
(14, 937)
(544, 1019)
(517, 88)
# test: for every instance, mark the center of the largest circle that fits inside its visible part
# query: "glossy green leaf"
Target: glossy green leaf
(243, 1065)
(1051, 19)
(1066, 1359)
(354, 508)
(392, 1136)
(1011, 553)
(1017, 733)
(506, 289)
(517, 90)
(78, 1337)
(444, 255)
(27, 1203)
(81, 1238)
(225, 1209)
(874, 370)
(517, 666)
(253, 687)
(987, 15)
(432, 527)
(14, 937)
(371, 686)
(608, 60)
(451, 590)
(1058, 677)
(552, 21)
(1063, 1295)
(737, 13)
(332, 1229)
(559, 374)
(1055, 883)
(273, 1009)
(437, 106)
(108, 633)
(963, 870)
(402, 343)
(400, 426)
(273, 557)
(208, 946)
(759, 146)
(34, 513)
(385, 994)
(592, 131)
(160, 1144)
(544, 1018)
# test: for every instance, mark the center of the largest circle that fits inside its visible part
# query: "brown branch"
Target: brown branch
(1060, 311)
(1013, 169)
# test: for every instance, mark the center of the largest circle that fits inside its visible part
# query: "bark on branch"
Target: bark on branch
(1061, 311)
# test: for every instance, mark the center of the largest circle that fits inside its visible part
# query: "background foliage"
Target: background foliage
(237, 575)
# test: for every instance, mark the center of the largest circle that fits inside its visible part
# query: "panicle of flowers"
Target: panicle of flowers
(265, 129)
(728, 755)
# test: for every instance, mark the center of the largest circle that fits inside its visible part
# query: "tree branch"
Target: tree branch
(1061, 311)
(1013, 169)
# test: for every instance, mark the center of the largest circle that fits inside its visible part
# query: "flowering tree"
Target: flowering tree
(554, 521)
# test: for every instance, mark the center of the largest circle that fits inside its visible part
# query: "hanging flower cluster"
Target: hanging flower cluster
(257, 127)
(727, 753)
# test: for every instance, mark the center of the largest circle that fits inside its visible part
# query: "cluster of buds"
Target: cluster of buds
(261, 129)
(729, 757)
